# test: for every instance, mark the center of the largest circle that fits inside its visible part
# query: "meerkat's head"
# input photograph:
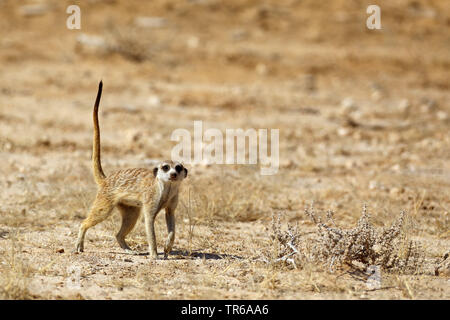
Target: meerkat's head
(170, 171)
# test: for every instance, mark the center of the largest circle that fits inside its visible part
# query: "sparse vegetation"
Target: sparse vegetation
(363, 246)
(363, 117)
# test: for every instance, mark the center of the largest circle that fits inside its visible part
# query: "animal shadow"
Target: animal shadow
(184, 254)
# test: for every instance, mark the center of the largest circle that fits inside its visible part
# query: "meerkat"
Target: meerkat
(133, 191)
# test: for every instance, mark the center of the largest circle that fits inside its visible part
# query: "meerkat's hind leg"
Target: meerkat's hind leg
(130, 216)
(101, 209)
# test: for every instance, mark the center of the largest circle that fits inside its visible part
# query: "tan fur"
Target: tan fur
(133, 191)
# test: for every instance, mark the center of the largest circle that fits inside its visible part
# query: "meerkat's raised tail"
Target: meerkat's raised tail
(99, 176)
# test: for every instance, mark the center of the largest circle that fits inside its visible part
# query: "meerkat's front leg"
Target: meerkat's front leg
(150, 212)
(170, 221)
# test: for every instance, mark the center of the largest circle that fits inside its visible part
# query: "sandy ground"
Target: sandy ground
(364, 118)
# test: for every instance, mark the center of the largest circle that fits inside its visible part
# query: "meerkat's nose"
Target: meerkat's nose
(173, 175)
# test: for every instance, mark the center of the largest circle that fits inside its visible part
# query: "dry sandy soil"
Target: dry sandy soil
(364, 118)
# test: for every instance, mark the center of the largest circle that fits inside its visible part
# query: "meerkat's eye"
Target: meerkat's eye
(178, 168)
(165, 167)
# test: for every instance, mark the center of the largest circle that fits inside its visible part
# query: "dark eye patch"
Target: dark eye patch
(165, 167)
(178, 168)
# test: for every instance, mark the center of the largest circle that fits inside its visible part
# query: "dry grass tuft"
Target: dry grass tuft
(14, 278)
(285, 243)
(224, 201)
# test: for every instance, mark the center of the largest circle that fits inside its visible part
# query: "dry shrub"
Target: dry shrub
(388, 247)
(129, 45)
(137, 44)
(332, 247)
(132, 43)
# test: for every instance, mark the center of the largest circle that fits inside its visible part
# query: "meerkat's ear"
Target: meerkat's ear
(185, 172)
(155, 171)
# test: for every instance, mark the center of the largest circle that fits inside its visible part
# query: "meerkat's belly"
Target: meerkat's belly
(130, 200)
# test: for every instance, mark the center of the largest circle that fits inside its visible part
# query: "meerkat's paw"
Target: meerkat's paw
(153, 256)
(166, 253)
